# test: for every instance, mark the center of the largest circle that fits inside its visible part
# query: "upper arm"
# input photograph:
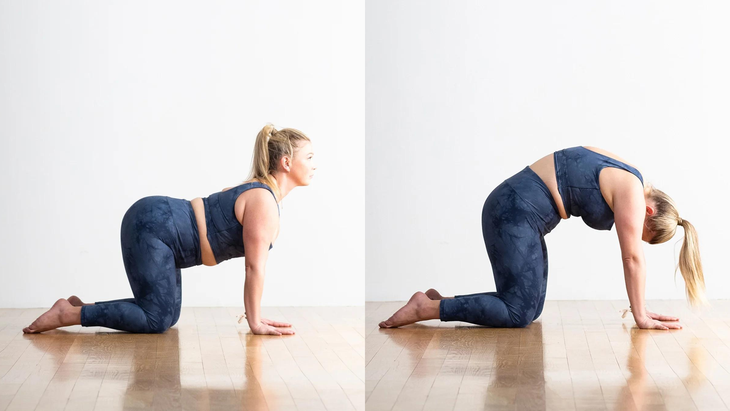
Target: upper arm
(260, 222)
(629, 210)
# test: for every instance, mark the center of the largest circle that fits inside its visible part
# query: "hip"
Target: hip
(168, 219)
(523, 195)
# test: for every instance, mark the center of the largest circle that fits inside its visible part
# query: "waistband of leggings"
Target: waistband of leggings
(196, 233)
(188, 239)
(541, 201)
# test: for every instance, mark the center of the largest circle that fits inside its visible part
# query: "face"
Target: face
(302, 166)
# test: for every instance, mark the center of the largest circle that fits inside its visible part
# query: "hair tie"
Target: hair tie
(680, 221)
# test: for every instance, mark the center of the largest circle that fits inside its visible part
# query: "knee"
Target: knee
(175, 317)
(159, 326)
(522, 322)
(158, 329)
(537, 314)
(520, 319)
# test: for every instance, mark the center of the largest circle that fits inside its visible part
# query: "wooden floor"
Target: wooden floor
(579, 355)
(207, 361)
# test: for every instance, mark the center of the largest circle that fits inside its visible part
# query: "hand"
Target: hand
(275, 323)
(661, 317)
(651, 321)
(268, 327)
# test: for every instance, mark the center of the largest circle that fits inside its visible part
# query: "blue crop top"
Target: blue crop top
(225, 232)
(577, 170)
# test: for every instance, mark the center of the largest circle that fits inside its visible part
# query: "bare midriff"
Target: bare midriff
(206, 252)
(545, 169)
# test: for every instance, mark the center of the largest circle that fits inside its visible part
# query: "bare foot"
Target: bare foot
(415, 310)
(76, 301)
(433, 294)
(61, 314)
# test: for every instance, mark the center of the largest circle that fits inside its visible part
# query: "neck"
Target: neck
(284, 183)
(647, 191)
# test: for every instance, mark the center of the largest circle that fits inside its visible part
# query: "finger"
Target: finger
(286, 332)
(275, 323)
(274, 331)
(666, 318)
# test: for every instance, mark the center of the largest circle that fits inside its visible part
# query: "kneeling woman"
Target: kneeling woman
(161, 235)
(581, 181)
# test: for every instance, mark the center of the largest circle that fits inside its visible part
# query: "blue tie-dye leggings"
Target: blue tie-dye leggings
(159, 236)
(515, 219)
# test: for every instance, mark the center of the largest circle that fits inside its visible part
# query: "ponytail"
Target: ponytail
(663, 223)
(690, 265)
(271, 145)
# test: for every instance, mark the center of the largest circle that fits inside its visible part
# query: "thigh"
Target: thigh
(515, 248)
(178, 297)
(150, 264)
(543, 293)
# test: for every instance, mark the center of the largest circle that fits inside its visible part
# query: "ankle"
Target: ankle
(429, 310)
(71, 316)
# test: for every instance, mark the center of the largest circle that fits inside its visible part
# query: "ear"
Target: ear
(650, 210)
(286, 163)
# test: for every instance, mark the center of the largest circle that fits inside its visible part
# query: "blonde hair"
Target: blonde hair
(663, 223)
(271, 145)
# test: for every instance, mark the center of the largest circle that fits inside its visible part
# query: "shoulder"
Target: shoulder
(620, 187)
(260, 199)
(626, 192)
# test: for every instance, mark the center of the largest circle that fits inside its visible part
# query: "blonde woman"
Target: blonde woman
(582, 181)
(161, 235)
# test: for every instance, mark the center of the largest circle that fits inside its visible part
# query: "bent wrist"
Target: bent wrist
(253, 320)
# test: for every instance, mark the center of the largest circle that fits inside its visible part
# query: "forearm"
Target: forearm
(252, 290)
(635, 277)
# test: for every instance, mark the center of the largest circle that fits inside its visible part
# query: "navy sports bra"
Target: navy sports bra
(225, 232)
(577, 170)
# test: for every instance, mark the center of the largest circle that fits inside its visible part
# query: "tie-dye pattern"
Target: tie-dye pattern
(159, 237)
(577, 170)
(515, 219)
(224, 231)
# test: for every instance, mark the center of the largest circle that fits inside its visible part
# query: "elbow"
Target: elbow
(633, 263)
(631, 259)
(254, 267)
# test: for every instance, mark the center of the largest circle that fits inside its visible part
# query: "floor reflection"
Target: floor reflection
(157, 371)
(535, 369)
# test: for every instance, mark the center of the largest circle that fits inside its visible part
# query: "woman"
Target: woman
(580, 181)
(161, 235)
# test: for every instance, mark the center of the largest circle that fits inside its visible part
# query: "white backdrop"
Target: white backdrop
(462, 95)
(102, 103)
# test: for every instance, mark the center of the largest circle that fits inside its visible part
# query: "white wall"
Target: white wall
(102, 103)
(460, 96)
